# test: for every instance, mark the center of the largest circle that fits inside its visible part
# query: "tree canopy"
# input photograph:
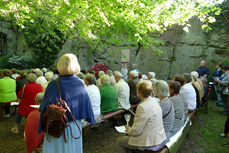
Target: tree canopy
(109, 21)
(47, 24)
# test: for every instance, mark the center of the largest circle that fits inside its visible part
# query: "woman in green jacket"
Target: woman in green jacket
(7, 91)
(108, 96)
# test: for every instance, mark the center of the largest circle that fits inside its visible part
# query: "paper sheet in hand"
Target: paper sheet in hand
(14, 103)
(35, 106)
(121, 129)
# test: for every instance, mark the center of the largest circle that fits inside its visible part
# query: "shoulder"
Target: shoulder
(150, 102)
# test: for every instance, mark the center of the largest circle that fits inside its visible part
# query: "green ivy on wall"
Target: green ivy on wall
(222, 20)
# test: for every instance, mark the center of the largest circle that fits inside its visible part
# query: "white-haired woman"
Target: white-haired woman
(147, 132)
(40, 78)
(197, 83)
(93, 93)
(108, 95)
(112, 79)
(49, 77)
(28, 94)
(98, 82)
(73, 92)
(134, 99)
(161, 91)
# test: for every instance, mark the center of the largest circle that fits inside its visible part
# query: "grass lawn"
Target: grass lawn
(204, 134)
(202, 138)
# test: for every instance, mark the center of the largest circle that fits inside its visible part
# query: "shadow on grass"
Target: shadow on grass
(204, 134)
(202, 138)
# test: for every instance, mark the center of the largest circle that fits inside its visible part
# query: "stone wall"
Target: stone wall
(14, 42)
(182, 52)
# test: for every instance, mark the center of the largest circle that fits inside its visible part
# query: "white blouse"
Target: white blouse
(94, 95)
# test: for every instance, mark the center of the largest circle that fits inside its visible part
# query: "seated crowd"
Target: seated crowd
(162, 109)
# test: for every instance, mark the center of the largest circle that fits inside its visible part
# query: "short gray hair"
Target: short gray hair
(39, 97)
(90, 78)
(39, 72)
(44, 69)
(161, 88)
(134, 73)
(31, 77)
(118, 74)
(109, 72)
(187, 77)
(49, 76)
(80, 75)
(105, 79)
(101, 73)
(152, 74)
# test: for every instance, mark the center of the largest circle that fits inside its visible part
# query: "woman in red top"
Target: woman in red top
(28, 98)
(33, 140)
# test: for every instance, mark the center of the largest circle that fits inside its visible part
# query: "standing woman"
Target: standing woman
(74, 93)
(7, 91)
(27, 95)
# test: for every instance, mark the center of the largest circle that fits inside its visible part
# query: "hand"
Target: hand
(216, 80)
(127, 127)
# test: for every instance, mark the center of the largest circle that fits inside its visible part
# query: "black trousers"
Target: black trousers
(225, 99)
(7, 108)
(226, 128)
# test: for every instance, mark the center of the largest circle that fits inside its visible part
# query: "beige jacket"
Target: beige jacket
(147, 129)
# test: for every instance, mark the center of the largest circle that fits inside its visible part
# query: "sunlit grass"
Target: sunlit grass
(202, 138)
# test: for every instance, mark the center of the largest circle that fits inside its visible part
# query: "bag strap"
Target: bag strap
(169, 110)
(66, 106)
(58, 88)
(23, 89)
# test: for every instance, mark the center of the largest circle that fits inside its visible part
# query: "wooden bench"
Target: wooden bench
(109, 115)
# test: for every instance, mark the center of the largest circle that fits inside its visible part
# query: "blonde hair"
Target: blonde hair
(39, 97)
(105, 79)
(49, 76)
(39, 72)
(145, 88)
(118, 74)
(31, 77)
(68, 65)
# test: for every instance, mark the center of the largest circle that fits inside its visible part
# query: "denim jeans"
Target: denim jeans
(17, 118)
(218, 95)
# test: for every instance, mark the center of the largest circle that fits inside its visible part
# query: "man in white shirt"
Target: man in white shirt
(189, 93)
(93, 93)
(122, 91)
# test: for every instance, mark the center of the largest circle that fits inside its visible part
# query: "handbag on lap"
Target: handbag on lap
(54, 119)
